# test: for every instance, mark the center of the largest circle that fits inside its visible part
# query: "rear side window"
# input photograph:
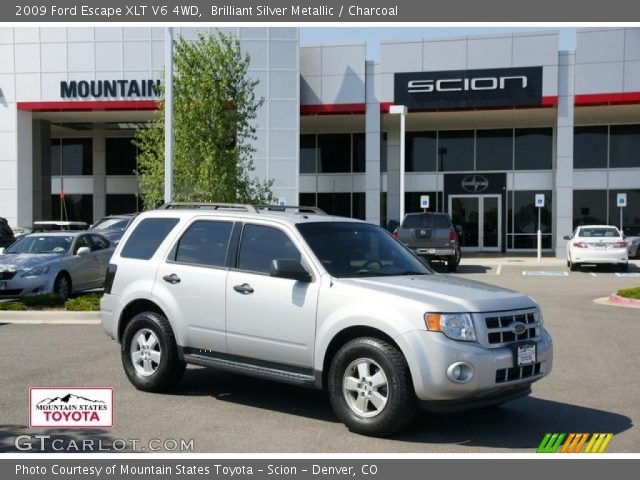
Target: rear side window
(147, 237)
(426, 220)
(205, 243)
(260, 245)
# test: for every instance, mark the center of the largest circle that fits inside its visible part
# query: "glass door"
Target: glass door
(478, 221)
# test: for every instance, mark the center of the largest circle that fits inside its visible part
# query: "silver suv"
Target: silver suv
(293, 295)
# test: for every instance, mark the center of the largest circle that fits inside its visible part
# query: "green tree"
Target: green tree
(214, 106)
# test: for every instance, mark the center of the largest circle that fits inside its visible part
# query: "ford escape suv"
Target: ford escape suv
(297, 296)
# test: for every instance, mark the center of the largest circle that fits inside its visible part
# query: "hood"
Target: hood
(445, 293)
(24, 261)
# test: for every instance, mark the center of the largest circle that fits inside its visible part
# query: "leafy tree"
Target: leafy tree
(214, 106)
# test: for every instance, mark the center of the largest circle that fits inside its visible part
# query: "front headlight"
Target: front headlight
(34, 272)
(457, 326)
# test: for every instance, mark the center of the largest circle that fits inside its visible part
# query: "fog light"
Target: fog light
(460, 372)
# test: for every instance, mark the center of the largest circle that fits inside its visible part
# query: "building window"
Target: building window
(308, 153)
(533, 149)
(420, 152)
(334, 152)
(624, 146)
(383, 152)
(74, 208)
(358, 205)
(494, 149)
(359, 153)
(118, 204)
(412, 202)
(524, 219)
(455, 151)
(589, 207)
(120, 156)
(630, 213)
(71, 156)
(590, 147)
(339, 204)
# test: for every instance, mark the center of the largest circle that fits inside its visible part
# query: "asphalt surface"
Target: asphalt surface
(594, 386)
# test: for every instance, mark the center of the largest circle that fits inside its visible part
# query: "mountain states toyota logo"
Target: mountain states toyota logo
(72, 407)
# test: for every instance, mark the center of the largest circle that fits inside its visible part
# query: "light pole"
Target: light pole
(402, 111)
(168, 114)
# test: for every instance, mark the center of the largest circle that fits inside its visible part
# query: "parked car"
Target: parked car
(113, 227)
(55, 262)
(324, 302)
(58, 226)
(431, 236)
(6, 234)
(632, 237)
(595, 245)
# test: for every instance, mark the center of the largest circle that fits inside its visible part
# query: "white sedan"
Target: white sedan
(597, 244)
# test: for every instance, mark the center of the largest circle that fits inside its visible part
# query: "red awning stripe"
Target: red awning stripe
(94, 105)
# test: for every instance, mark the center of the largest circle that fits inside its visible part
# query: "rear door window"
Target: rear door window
(204, 243)
(147, 237)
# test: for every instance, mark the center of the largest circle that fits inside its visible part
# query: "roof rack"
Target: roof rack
(299, 208)
(211, 206)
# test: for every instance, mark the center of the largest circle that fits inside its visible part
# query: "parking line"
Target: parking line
(499, 269)
(593, 274)
(552, 273)
(627, 274)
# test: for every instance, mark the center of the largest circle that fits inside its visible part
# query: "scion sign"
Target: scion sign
(469, 88)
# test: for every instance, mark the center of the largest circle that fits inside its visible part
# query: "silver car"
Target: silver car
(54, 262)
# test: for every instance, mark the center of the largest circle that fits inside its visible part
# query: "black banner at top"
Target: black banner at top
(501, 87)
(302, 11)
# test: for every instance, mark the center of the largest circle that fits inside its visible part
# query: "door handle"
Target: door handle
(173, 278)
(244, 289)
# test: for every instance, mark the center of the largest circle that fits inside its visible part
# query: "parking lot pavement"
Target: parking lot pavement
(594, 386)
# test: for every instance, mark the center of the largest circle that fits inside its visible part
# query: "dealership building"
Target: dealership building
(478, 125)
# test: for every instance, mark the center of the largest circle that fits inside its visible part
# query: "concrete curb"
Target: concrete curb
(618, 300)
(53, 317)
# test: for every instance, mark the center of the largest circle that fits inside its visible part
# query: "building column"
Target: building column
(41, 170)
(24, 177)
(393, 169)
(99, 175)
(372, 148)
(563, 194)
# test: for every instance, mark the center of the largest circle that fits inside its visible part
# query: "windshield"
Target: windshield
(599, 233)
(41, 244)
(429, 220)
(349, 250)
(111, 224)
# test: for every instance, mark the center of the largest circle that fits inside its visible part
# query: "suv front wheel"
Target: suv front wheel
(370, 387)
(149, 353)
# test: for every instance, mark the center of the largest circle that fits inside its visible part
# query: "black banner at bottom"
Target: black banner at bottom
(314, 469)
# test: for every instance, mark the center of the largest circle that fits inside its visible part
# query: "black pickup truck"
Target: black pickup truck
(431, 236)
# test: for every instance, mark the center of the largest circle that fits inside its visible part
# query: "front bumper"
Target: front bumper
(18, 286)
(109, 308)
(430, 354)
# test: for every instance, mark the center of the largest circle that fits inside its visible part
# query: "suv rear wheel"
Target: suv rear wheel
(453, 261)
(370, 387)
(149, 353)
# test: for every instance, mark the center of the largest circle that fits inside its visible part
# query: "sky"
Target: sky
(373, 35)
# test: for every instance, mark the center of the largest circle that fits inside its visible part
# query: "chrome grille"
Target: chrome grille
(499, 327)
(517, 373)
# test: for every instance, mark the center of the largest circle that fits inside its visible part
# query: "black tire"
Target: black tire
(169, 370)
(572, 266)
(62, 286)
(400, 407)
(453, 261)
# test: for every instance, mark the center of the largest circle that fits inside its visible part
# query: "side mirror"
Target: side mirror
(566, 237)
(83, 251)
(288, 268)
